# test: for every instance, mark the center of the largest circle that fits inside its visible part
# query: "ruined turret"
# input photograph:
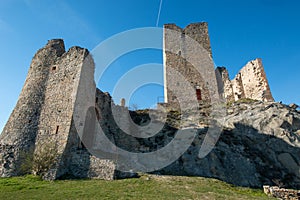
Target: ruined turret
(43, 116)
(250, 83)
(23, 125)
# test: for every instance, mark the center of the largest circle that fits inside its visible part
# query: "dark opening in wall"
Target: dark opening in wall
(96, 99)
(53, 68)
(198, 93)
(57, 127)
(183, 34)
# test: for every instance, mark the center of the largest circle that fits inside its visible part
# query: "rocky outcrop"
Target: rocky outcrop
(259, 142)
(259, 145)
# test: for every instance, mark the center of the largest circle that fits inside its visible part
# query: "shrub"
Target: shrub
(39, 160)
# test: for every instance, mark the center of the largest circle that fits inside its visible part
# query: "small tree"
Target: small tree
(26, 158)
(39, 161)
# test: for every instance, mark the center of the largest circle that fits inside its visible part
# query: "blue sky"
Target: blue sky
(239, 31)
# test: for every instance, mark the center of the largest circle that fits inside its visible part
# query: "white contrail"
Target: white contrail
(158, 15)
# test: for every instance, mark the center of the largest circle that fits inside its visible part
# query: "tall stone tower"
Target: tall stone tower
(23, 122)
(179, 50)
(195, 66)
(22, 127)
(44, 112)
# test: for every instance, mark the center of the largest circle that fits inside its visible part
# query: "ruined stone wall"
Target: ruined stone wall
(57, 110)
(251, 82)
(281, 193)
(77, 94)
(224, 83)
(254, 81)
(60, 87)
(57, 81)
(179, 51)
(237, 87)
(26, 114)
(23, 125)
(177, 48)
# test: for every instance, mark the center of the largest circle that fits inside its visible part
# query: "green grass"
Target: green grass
(145, 187)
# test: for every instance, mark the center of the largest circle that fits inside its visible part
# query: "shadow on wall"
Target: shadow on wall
(242, 157)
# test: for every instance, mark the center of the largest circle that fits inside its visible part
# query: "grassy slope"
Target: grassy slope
(146, 187)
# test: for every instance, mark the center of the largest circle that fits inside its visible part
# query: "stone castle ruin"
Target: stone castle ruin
(59, 81)
(251, 82)
(44, 112)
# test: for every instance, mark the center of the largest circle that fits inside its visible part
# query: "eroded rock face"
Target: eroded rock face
(260, 144)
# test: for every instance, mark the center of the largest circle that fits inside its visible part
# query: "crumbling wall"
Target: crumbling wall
(224, 84)
(23, 125)
(251, 82)
(255, 82)
(57, 109)
(45, 110)
(237, 87)
(60, 81)
(281, 193)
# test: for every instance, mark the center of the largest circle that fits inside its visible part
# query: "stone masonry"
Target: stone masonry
(60, 84)
(282, 193)
(179, 49)
(44, 113)
(251, 82)
(178, 40)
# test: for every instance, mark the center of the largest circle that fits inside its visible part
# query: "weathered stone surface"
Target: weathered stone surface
(293, 106)
(224, 84)
(255, 82)
(282, 193)
(44, 113)
(251, 83)
(259, 143)
(180, 49)
(183, 58)
(22, 127)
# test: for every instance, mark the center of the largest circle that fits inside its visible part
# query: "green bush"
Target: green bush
(39, 160)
